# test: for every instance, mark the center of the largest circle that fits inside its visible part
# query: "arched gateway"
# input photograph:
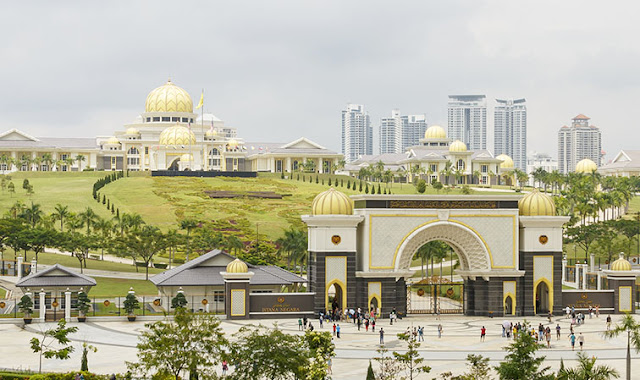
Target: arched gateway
(510, 249)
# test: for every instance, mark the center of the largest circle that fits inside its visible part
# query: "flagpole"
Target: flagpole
(204, 146)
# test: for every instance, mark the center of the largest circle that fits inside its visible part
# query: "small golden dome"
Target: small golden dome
(621, 265)
(177, 135)
(186, 157)
(132, 132)
(113, 141)
(536, 204)
(331, 202)
(233, 143)
(586, 166)
(507, 162)
(211, 133)
(237, 266)
(435, 132)
(169, 98)
(457, 146)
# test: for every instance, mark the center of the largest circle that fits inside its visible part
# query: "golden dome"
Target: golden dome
(237, 266)
(457, 146)
(331, 202)
(586, 166)
(435, 132)
(211, 133)
(233, 143)
(132, 131)
(507, 162)
(536, 204)
(113, 141)
(186, 157)
(169, 98)
(621, 265)
(177, 135)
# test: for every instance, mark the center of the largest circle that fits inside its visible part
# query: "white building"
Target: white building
(537, 160)
(413, 129)
(467, 118)
(357, 134)
(510, 130)
(578, 142)
(625, 164)
(391, 133)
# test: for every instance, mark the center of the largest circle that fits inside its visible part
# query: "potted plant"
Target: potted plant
(26, 306)
(130, 304)
(83, 306)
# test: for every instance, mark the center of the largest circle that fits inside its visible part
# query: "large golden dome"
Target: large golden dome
(331, 202)
(457, 146)
(237, 266)
(169, 98)
(507, 162)
(536, 204)
(586, 166)
(435, 132)
(177, 135)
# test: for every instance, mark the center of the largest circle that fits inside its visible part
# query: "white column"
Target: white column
(67, 305)
(34, 266)
(564, 270)
(288, 165)
(592, 263)
(19, 267)
(584, 276)
(577, 275)
(599, 280)
(43, 308)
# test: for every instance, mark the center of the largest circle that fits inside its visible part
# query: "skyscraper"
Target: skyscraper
(467, 116)
(398, 132)
(391, 133)
(510, 130)
(578, 142)
(413, 128)
(357, 134)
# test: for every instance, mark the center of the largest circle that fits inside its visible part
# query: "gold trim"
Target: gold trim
(630, 299)
(244, 302)
(546, 281)
(375, 295)
(509, 294)
(335, 281)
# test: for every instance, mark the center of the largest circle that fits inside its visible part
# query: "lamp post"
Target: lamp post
(441, 267)
(451, 267)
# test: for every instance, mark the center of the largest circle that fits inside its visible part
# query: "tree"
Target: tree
(33, 214)
(437, 186)
(144, 243)
(131, 303)
(587, 370)
(421, 186)
(521, 361)
(53, 337)
(12, 188)
(179, 301)
(189, 225)
(627, 325)
(193, 342)
(61, 213)
(411, 360)
(389, 368)
(26, 306)
(478, 368)
(370, 374)
(84, 362)
(88, 218)
(83, 303)
(38, 238)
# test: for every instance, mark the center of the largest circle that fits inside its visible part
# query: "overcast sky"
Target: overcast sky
(278, 70)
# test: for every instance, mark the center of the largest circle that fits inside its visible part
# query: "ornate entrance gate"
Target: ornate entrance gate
(435, 295)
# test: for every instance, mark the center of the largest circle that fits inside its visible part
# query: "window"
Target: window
(133, 150)
(44, 168)
(483, 180)
(3, 167)
(484, 168)
(148, 119)
(460, 165)
(218, 296)
(214, 162)
(434, 168)
(146, 150)
(191, 121)
(133, 161)
(176, 119)
(166, 118)
(295, 165)
(214, 152)
(64, 156)
(185, 119)
(156, 118)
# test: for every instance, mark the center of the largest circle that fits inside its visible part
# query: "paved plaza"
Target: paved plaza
(461, 335)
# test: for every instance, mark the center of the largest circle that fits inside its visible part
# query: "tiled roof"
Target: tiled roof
(51, 143)
(581, 117)
(46, 278)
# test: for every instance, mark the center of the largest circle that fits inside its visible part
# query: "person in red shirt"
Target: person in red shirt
(483, 333)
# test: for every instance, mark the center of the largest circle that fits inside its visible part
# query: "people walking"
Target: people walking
(225, 367)
(581, 340)
(572, 338)
(483, 333)
(558, 331)
(338, 331)
(329, 364)
(299, 324)
(439, 330)
(421, 334)
(608, 322)
(381, 335)
(334, 329)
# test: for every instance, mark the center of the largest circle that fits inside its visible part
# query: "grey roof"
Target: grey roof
(45, 278)
(632, 162)
(193, 274)
(51, 143)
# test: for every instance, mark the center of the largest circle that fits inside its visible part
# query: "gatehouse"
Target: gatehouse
(509, 249)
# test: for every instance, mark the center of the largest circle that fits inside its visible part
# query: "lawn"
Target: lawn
(119, 287)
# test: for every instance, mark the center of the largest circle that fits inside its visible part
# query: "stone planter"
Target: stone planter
(27, 321)
(82, 318)
(131, 318)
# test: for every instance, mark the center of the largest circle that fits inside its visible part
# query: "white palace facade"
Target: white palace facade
(168, 135)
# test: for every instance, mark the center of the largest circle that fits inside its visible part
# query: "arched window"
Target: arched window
(214, 152)
(460, 164)
(133, 150)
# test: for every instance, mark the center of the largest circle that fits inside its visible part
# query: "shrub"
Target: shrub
(421, 186)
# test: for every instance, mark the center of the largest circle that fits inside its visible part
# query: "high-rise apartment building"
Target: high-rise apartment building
(398, 132)
(357, 134)
(391, 133)
(578, 142)
(413, 129)
(467, 115)
(510, 130)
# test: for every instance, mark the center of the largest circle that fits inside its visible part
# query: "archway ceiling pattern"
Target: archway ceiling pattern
(468, 247)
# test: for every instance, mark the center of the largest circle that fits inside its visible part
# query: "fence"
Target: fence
(8, 268)
(113, 306)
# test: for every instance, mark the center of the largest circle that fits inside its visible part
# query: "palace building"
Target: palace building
(168, 135)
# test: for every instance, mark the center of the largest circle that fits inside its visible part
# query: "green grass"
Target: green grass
(118, 287)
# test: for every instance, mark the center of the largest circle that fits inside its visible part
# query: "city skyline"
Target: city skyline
(256, 63)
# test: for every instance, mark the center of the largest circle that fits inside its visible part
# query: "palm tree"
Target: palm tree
(80, 158)
(477, 175)
(105, 227)
(188, 224)
(47, 160)
(233, 244)
(61, 213)
(587, 370)
(32, 215)
(629, 325)
(88, 218)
